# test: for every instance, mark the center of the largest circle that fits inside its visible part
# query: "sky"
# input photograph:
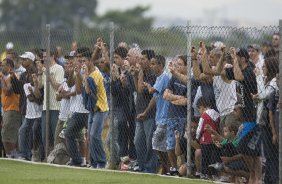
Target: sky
(204, 12)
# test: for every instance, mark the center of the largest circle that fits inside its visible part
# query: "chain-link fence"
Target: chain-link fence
(197, 100)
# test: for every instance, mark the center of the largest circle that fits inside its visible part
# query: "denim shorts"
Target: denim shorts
(172, 125)
(159, 138)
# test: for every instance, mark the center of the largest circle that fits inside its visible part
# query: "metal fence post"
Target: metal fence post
(47, 89)
(280, 104)
(112, 39)
(189, 103)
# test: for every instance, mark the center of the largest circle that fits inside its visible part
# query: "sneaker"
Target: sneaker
(218, 166)
(173, 172)
(204, 177)
(74, 164)
(198, 174)
(62, 134)
(35, 156)
(223, 179)
(22, 158)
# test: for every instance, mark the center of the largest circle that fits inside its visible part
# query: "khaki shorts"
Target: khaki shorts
(11, 125)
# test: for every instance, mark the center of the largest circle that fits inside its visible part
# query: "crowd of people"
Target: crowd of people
(234, 98)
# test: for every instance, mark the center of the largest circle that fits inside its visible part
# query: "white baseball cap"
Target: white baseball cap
(28, 55)
(9, 45)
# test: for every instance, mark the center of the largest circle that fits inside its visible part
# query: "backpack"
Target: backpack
(59, 155)
(90, 100)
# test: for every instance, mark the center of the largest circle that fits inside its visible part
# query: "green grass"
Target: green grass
(16, 172)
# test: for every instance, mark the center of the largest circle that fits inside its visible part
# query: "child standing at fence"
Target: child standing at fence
(209, 151)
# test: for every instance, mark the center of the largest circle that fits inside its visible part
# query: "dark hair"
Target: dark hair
(84, 51)
(271, 53)
(160, 59)
(9, 62)
(38, 52)
(266, 44)
(272, 66)
(121, 51)
(242, 52)
(275, 34)
(183, 58)
(148, 53)
(232, 123)
(202, 102)
(15, 56)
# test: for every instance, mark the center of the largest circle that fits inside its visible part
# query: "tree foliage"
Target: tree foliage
(133, 18)
(31, 14)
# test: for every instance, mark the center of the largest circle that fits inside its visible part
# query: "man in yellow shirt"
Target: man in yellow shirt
(99, 112)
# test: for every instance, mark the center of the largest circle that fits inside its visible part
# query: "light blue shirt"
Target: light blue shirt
(161, 104)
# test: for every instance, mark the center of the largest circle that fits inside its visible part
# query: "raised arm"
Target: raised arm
(236, 68)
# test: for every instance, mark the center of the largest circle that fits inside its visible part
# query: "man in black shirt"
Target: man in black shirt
(243, 73)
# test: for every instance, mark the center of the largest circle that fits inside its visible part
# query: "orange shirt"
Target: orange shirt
(10, 103)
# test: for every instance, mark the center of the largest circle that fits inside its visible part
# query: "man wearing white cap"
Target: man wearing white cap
(31, 106)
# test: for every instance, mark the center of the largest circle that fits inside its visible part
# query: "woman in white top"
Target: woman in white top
(266, 85)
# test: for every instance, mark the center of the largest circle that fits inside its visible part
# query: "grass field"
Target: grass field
(17, 172)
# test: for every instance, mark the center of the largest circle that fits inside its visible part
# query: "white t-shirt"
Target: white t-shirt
(57, 72)
(33, 110)
(65, 104)
(76, 103)
(225, 95)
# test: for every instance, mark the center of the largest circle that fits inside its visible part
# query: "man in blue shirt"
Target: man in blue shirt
(177, 112)
(159, 136)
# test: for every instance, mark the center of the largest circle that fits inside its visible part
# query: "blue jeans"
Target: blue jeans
(26, 136)
(95, 127)
(54, 114)
(126, 132)
(146, 156)
(75, 124)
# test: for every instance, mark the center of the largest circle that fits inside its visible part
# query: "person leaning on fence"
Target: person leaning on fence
(273, 111)
(181, 150)
(78, 112)
(176, 94)
(123, 104)
(98, 111)
(159, 137)
(11, 112)
(33, 115)
(145, 126)
(208, 149)
(243, 71)
(62, 95)
(55, 79)
(223, 84)
(31, 109)
(267, 85)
